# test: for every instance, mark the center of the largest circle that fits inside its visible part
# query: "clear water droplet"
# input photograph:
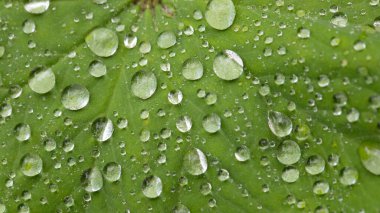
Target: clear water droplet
(28, 26)
(290, 174)
(288, 152)
(37, 6)
(184, 124)
(31, 165)
(42, 80)
(279, 124)
(348, 176)
(339, 19)
(22, 132)
(144, 84)
(92, 180)
(180, 208)
(315, 164)
(166, 40)
(152, 187)
(97, 69)
(192, 69)
(102, 129)
(369, 153)
(175, 97)
(75, 97)
(242, 153)
(321, 187)
(220, 14)
(5, 110)
(112, 171)
(212, 123)
(130, 41)
(102, 42)
(303, 33)
(228, 65)
(195, 162)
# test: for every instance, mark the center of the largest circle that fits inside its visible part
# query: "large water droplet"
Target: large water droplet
(92, 180)
(112, 171)
(37, 6)
(144, 84)
(5, 110)
(28, 26)
(175, 97)
(75, 97)
(220, 14)
(42, 80)
(102, 42)
(321, 187)
(348, 176)
(290, 174)
(184, 123)
(315, 164)
(22, 132)
(192, 69)
(102, 129)
(369, 153)
(166, 39)
(288, 152)
(228, 65)
(279, 124)
(195, 162)
(211, 123)
(31, 164)
(152, 187)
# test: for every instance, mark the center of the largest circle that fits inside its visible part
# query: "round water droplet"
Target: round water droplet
(31, 165)
(166, 40)
(49, 144)
(279, 124)
(97, 69)
(2, 51)
(102, 129)
(220, 14)
(303, 33)
(195, 162)
(42, 80)
(348, 176)
(75, 97)
(92, 180)
(192, 69)
(184, 123)
(228, 65)
(112, 171)
(175, 97)
(321, 187)
(223, 175)
(288, 152)
(339, 19)
(315, 164)
(22, 132)
(211, 123)
(242, 153)
(144, 84)
(5, 110)
(37, 6)
(206, 188)
(152, 187)
(130, 41)
(369, 153)
(290, 174)
(102, 42)
(145, 47)
(28, 26)
(180, 208)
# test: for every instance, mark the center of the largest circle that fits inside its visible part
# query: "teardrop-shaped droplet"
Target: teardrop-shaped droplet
(228, 65)
(102, 42)
(144, 84)
(220, 14)
(112, 171)
(192, 69)
(195, 162)
(152, 187)
(92, 180)
(288, 152)
(75, 97)
(42, 80)
(31, 165)
(166, 40)
(102, 129)
(37, 6)
(369, 153)
(279, 124)
(211, 123)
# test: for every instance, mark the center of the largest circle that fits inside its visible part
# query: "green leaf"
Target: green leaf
(199, 141)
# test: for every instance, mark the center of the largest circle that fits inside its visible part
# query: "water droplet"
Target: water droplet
(130, 41)
(290, 174)
(112, 171)
(42, 80)
(195, 162)
(369, 153)
(37, 6)
(206, 188)
(102, 129)
(211, 123)
(303, 33)
(28, 26)
(220, 14)
(152, 187)
(5, 110)
(302, 131)
(175, 97)
(359, 45)
(75, 97)
(144, 84)
(279, 124)
(2, 51)
(288, 152)
(22, 132)
(97, 69)
(228, 65)
(180, 208)
(242, 153)
(166, 40)
(348, 176)
(49, 144)
(315, 164)
(321, 187)
(184, 124)
(145, 47)
(192, 69)
(339, 19)
(223, 175)
(102, 42)
(92, 180)
(31, 165)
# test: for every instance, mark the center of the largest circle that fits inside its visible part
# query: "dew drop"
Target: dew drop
(97, 69)
(348, 176)
(144, 84)
(152, 187)
(42, 80)
(220, 14)
(175, 97)
(22, 132)
(242, 153)
(31, 165)
(166, 40)
(112, 171)
(130, 41)
(102, 129)
(75, 97)
(180, 208)
(192, 69)
(211, 123)
(28, 26)
(102, 42)
(228, 65)
(5, 110)
(321, 187)
(195, 162)
(290, 174)
(92, 180)
(37, 6)
(303, 33)
(369, 153)
(315, 164)
(279, 124)
(184, 124)
(339, 19)
(288, 152)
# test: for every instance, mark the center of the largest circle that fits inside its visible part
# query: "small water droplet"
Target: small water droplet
(288, 152)
(242, 153)
(195, 162)
(152, 187)
(348, 176)
(211, 123)
(290, 174)
(175, 97)
(22, 132)
(369, 153)
(315, 164)
(339, 19)
(102, 129)
(166, 40)
(321, 187)
(75, 97)
(112, 171)
(228, 65)
(97, 69)
(184, 124)
(28, 26)
(130, 41)
(192, 69)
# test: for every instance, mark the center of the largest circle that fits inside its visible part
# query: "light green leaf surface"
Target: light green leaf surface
(263, 34)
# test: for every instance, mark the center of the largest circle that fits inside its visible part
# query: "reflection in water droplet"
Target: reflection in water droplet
(220, 14)
(369, 153)
(184, 123)
(228, 65)
(279, 124)
(339, 19)
(75, 97)
(31, 164)
(288, 152)
(152, 187)
(102, 129)
(242, 153)
(321, 187)
(211, 123)
(144, 84)
(130, 41)
(97, 69)
(102, 42)
(315, 165)
(175, 97)
(112, 171)
(92, 180)
(42, 80)
(195, 162)
(37, 6)
(348, 176)
(22, 132)
(192, 69)
(166, 40)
